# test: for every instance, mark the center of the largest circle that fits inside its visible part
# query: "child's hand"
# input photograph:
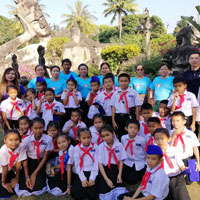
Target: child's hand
(14, 182)
(114, 125)
(28, 183)
(176, 95)
(119, 179)
(32, 179)
(193, 127)
(110, 183)
(151, 101)
(92, 92)
(85, 183)
(91, 183)
(68, 191)
(53, 112)
(66, 92)
(20, 132)
(72, 124)
(74, 92)
(183, 168)
(42, 100)
(8, 187)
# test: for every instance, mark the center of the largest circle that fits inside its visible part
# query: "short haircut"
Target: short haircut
(44, 83)
(194, 52)
(73, 81)
(24, 118)
(81, 130)
(67, 60)
(106, 127)
(38, 120)
(53, 124)
(165, 64)
(32, 90)
(76, 111)
(179, 79)
(55, 66)
(49, 90)
(109, 75)
(104, 63)
(136, 66)
(96, 116)
(63, 134)
(39, 66)
(136, 122)
(146, 106)
(11, 87)
(161, 130)
(154, 120)
(12, 131)
(178, 113)
(124, 75)
(164, 102)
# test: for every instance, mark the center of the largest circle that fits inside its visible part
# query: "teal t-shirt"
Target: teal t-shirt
(66, 76)
(32, 83)
(57, 86)
(101, 80)
(83, 86)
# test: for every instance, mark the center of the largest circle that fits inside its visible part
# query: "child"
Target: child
(41, 85)
(155, 183)
(24, 127)
(172, 165)
(123, 103)
(164, 115)
(37, 147)
(105, 96)
(98, 121)
(92, 98)
(51, 109)
(12, 154)
(185, 101)
(31, 104)
(153, 123)
(60, 183)
(86, 166)
(111, 157)
(71, 97)
(146, 112)
(73, 125)
(134, 166)
(12, 108)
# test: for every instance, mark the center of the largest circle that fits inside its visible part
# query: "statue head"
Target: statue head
(41, 50)
(14, 58)
(183, 36)
(75, 33)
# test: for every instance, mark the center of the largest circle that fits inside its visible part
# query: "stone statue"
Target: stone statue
(15, 65)
(41, 52)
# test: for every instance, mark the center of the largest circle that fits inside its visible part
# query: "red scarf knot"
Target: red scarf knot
(112, 152)
(123, 95)
(169, 162)
(49, 107)
(12, 159)
(37, 145)
(146, 130)
(14, 105)
(28, 108)
(130, 143)
(69, 94)
(40, 95)
(75, 133)
(108, 96)
(99, 140)
(179, 137)
(182, 99)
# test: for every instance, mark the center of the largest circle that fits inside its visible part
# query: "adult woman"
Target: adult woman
(141, 83)
(10, 78)
(40, 71)
(57, 84)
(105, 69)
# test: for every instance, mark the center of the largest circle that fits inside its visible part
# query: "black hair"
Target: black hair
(165, 64)
(39, 66)
(104, 63)
(154, 120)
(77, 111)
(179, 79)
(11, 132)
(44, 83)
(96, 116)
(83, 64)
(194, 52)
(55, 66)
(73, 81)
(39, 120)
(124, 75)
(136, 66)
(161, 130)
(67, 60)
(178, 113)
(32, 90)
(24, 118)
(11, 87)
(106, 127)
(136, 122)
(109, 75)
(49, 90)
(81, 130)
(146, 106)
(66, 136)
(165, 101)
(53, 124)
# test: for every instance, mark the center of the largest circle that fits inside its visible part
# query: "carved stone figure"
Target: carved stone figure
(41, 52)
(15, 65)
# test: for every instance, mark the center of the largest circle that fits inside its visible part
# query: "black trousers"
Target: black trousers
(129, 194)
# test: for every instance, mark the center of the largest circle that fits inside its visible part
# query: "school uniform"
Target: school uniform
(171, 165)
(35, 152)
(46, 110)
(149, 141)
(73, 131)
(144, 131)
(14, 110)
(165, 122)
(86, 167)
(110, 158)
(134, 166)
(96, 136)
(124, 103)
(30, 112)
(27, 134)
(10, 158)
(57, 185)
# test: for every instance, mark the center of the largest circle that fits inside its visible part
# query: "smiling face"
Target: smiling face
(178, 122)
(62, 143)
(71, 86)
(164, 71)
(12, 140)
(10, 76)
(12, 93)
(23, 125)
(194, 60)
(83, 71)
(55, 72)
(40, 71)
(140, 70)
(105, 70)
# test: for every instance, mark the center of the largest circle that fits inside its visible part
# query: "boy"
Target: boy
(123, 103)
(146, 112)
(155, 183)
(184, 101)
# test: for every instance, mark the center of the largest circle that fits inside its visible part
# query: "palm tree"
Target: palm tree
(81, 16)
(119, 7)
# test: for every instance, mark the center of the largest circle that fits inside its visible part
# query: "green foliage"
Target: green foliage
(108, 33)
(93, 70)
(117, 54)
(56, 43)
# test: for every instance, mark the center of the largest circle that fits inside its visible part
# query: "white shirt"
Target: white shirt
(104, 153)
(198, 108)
(47, 114)
(46, 145)
(165, 121)
(139, 156)
(132, 99)
(189, 103)
(158, 184)
(71, 102)
(70, 152)
(6, 107)
(31, 114)
(88, 164)
(141, 131)
(71, 132)
(95, 135)
(190, 140)
(5, 156)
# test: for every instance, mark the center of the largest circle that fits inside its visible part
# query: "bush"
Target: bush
(93, 70)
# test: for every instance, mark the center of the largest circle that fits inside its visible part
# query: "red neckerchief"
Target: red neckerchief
(182, 99)
(14, 105)
(49, 107)
(99, 140)
(123, 94)
(112, 152)
(37, 145)
(84, 153)
(28, 108)
(93, 97)
(179, 136)
(169, 162)
(69, 94)
(146, 177)
(40, 95)
(108, 96)
(130, 143)
(146, 130)
(62, 168)
(75, 132)
(150, 142)
(12, 159)
(24, 136)
(55, 145)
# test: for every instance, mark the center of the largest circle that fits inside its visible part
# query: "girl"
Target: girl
(172, 165)
(111, 156)
(60, 184)
(24, 127)
(12, 108)
(31, 104)
(41, 86)
(37, 148)
(86, 166)
(98, 121)
(12, 154)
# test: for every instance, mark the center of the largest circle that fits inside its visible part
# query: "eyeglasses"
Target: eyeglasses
(140, 70)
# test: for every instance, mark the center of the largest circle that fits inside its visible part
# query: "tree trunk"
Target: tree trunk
(120, 24)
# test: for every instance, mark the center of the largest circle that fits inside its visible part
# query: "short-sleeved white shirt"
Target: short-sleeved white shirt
(31, 114)
(95, 135)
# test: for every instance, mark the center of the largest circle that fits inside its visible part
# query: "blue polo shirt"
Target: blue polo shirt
(162, 87)
(66, 76)
(57, 86)
(32, 83)
(101, 80)
(140, 85)
(83, 86)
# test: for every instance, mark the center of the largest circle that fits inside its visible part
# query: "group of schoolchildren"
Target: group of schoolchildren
(98, 162)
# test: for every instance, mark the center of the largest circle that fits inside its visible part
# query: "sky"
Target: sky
(168, 10)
